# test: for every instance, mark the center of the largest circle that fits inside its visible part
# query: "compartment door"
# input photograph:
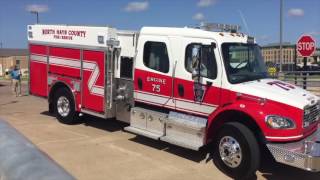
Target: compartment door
(38, 70)
(93, 82)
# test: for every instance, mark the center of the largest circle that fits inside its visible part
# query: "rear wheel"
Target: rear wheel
(236, 151)
(64, 106)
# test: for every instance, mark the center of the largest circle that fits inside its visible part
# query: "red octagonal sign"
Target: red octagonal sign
(306, 46)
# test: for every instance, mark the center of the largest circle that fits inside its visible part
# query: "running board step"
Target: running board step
(182, 143)
(185, 130)
(142, 132)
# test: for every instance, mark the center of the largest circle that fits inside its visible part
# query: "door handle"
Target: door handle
(140, 83)
(180, 90)
(209, 83)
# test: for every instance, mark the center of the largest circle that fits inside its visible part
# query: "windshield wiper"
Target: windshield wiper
(248, 77)
(239, 64)
(262, 75)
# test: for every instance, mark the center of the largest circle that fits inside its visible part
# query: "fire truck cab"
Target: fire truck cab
(188, 86)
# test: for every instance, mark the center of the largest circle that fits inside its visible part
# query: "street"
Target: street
(100, 149)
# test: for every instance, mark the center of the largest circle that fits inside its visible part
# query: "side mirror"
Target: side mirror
(196, 62)
(196, 73)
(213, 45)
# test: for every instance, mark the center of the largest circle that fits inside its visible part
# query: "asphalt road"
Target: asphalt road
(100, 149)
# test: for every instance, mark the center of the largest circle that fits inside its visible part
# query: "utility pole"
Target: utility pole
(37, 15)
(295, 64)
(281, 29)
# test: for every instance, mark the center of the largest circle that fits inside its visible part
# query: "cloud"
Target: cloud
(206, 3)
(37, 7)
(137, 6)
(295, 12)
(198, 17)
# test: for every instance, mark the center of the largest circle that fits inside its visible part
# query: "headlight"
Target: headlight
(278, 122)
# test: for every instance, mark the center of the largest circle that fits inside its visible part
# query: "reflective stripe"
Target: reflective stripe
(64, 62)
(178, 103)
(193, 106)
(93, 88)
(284, 137)
(75, 63)
(38, 58)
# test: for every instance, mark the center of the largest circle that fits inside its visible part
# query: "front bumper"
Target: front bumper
(303, 154)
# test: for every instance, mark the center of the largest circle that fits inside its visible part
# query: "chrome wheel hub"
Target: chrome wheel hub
(63, 106)
(230, 151)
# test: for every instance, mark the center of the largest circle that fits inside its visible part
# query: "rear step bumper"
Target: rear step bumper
(304, 154)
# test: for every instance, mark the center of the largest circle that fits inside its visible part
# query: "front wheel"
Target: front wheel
(64, 106)
(236, 151)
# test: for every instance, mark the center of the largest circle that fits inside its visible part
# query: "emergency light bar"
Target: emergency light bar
(220, 27)
(250, 40)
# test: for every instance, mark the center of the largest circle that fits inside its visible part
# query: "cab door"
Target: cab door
(153, 72)
(192, 97)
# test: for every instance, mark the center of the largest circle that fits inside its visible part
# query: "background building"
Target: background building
(271, 54)
(11, 57)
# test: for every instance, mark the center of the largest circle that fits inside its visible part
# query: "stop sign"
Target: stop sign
(306, 46)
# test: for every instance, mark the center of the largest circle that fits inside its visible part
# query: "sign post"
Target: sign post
(306, 46)
(1, 71)
(295, 65)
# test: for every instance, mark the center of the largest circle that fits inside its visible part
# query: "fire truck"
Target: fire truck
(188, 86)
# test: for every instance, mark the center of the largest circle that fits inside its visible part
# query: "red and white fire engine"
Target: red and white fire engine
(186, 86)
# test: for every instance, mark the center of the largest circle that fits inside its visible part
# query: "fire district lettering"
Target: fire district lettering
(64, 34)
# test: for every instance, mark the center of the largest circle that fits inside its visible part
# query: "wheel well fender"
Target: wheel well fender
(234, 116)
(57, 85)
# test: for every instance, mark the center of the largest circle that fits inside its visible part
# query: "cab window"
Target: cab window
(208, 66)
(155, 56)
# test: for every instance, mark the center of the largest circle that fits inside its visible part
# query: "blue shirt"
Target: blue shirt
(15, 74)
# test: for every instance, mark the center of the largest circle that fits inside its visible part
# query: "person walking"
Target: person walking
(16, 81)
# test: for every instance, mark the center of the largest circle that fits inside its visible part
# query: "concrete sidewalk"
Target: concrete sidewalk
(100, 149)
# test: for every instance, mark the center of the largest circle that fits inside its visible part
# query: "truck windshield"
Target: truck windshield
(243, 62)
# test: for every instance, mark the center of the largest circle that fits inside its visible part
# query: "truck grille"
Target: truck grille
(311, 114)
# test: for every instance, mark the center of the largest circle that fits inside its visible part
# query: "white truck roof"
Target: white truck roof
(97, 36)
(70, 35)
(195, 33)
(128, 42)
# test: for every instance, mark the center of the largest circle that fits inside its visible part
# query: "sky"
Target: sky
(258, 18)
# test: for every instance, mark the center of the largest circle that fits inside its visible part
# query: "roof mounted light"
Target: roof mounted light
(250, 40)
(220, 27)
(112, 42)
(100, 39)
(30, 35)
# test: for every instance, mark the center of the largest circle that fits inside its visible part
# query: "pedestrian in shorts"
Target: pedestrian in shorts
(16, 81)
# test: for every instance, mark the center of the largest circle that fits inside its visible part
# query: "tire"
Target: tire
(243, 164)
(51, 108)
(64, 106)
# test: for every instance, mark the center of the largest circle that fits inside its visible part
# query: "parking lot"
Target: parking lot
(100, 149)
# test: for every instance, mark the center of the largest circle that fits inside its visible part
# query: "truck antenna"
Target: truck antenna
(244, 21)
